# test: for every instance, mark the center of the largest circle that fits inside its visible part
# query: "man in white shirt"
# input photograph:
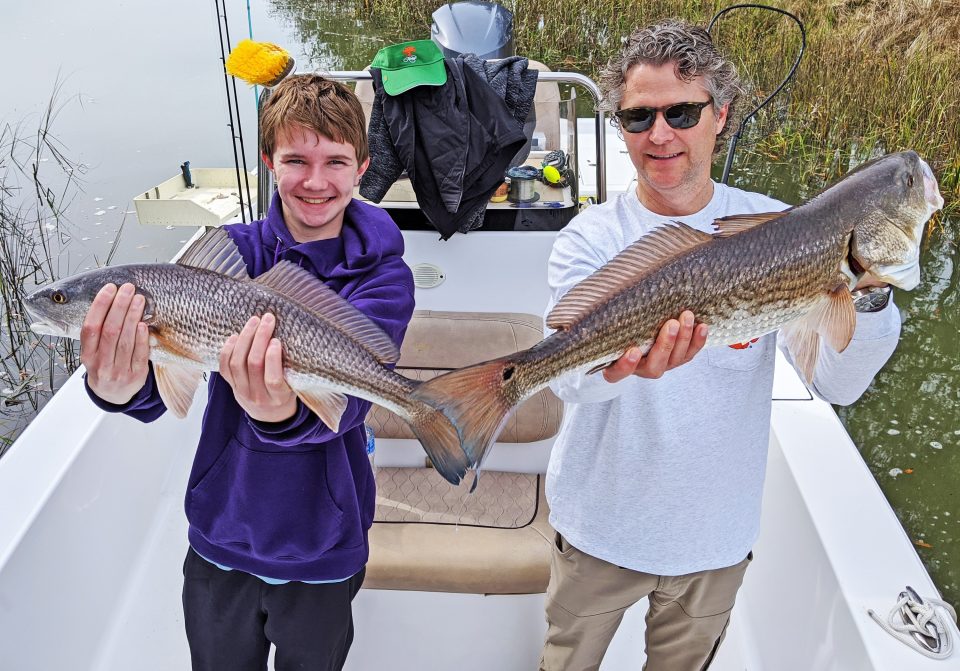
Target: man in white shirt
(656, 478)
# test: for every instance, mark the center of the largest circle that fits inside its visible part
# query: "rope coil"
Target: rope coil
(921, 624)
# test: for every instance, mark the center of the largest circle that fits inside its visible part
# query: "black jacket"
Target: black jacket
(455, 141)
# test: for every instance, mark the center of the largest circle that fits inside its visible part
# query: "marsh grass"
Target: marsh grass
(878, 75)
(38, 182)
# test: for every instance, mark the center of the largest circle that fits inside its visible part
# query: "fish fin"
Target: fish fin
(838, 318)
(313, 295)
(215, 251)
(473, 400)
(441, 442)
(177, 386)
(803, 343)
(832, 318)
(738, 223)
(328, 405)
(625, 269)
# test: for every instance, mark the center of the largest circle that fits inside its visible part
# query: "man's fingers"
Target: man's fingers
(658, 358)
(681, 345)
(623, 366)
(698, 341)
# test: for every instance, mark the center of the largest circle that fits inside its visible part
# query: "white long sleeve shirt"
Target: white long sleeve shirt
(666, 476)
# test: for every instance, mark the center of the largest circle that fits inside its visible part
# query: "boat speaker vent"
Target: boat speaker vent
(427, 276)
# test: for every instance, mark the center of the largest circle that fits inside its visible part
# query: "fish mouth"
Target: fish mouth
(931, 189)
(44, 325)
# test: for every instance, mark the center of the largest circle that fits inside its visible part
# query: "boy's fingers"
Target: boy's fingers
(141, 348)
(127, 342)
(225, 355)
(113, 322)
(93, 322)
(241, 351)
(273, 368)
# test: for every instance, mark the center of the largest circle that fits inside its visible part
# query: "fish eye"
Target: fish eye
(58, 297)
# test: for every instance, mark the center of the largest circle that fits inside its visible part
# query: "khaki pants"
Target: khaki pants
(587, 597)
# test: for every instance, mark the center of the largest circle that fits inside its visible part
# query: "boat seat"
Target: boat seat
(430, 536)
(437, 342)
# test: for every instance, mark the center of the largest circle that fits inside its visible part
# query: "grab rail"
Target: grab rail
(574, 78)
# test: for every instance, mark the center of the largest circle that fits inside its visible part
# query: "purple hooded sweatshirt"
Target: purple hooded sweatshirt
(293, 500)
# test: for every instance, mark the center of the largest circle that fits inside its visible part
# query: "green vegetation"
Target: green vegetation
(37, 183)
(878, 75)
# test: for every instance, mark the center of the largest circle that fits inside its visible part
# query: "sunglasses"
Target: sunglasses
(681, 115)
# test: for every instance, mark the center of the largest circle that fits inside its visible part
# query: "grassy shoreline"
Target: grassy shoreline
(878, 75)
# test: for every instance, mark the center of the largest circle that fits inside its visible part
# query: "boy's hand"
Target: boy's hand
(677, 343)
(114, 345)
(252, 363)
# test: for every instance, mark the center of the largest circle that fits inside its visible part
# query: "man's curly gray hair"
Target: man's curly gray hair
(691, 50)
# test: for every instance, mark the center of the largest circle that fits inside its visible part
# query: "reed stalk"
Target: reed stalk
(38, 181)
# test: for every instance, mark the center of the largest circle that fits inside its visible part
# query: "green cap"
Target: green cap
(409, 64)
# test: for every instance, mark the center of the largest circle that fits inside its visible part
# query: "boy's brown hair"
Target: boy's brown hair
(326, 107)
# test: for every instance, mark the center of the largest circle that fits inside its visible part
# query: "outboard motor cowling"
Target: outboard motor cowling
(473, 27)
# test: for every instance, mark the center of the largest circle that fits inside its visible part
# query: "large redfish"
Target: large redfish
(330, 348)
(790, 270)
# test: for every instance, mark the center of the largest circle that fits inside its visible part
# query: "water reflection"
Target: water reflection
(907, 424)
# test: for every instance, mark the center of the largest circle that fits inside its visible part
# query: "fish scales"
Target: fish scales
(759, 273)
(197, 310)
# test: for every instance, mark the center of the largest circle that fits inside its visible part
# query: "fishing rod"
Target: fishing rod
(803, 45)
(233, 105)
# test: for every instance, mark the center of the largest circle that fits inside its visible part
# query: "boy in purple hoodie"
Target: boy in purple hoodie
(279, 505)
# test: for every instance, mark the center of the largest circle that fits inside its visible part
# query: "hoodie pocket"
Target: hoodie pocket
(268, 504)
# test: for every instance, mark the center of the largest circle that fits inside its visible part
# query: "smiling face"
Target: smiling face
(673, 165)
(315, 179)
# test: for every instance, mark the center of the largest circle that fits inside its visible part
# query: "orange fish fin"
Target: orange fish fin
(441, 442)
(738, 223)
(625, 269)
(310, 293)
(838, 318)
(832, 318)
(177, 386)
(803, 343)
(328, 405)
(473, 400)
(215, 251)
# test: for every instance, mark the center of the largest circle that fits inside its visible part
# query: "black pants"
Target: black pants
(232, 617)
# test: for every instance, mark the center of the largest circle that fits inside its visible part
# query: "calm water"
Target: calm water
(142, 91)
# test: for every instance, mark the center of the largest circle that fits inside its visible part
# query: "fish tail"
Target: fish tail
(474, 400)
(440, 441)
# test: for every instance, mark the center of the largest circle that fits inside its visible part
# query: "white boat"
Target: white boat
(93, 533)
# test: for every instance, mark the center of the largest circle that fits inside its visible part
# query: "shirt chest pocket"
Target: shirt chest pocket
(743, 356)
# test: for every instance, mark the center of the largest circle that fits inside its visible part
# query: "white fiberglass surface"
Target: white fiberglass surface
(92, 535)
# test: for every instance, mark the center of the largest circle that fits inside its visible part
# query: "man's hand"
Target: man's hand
(114, 345)
(252, 363)
(677, 343)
